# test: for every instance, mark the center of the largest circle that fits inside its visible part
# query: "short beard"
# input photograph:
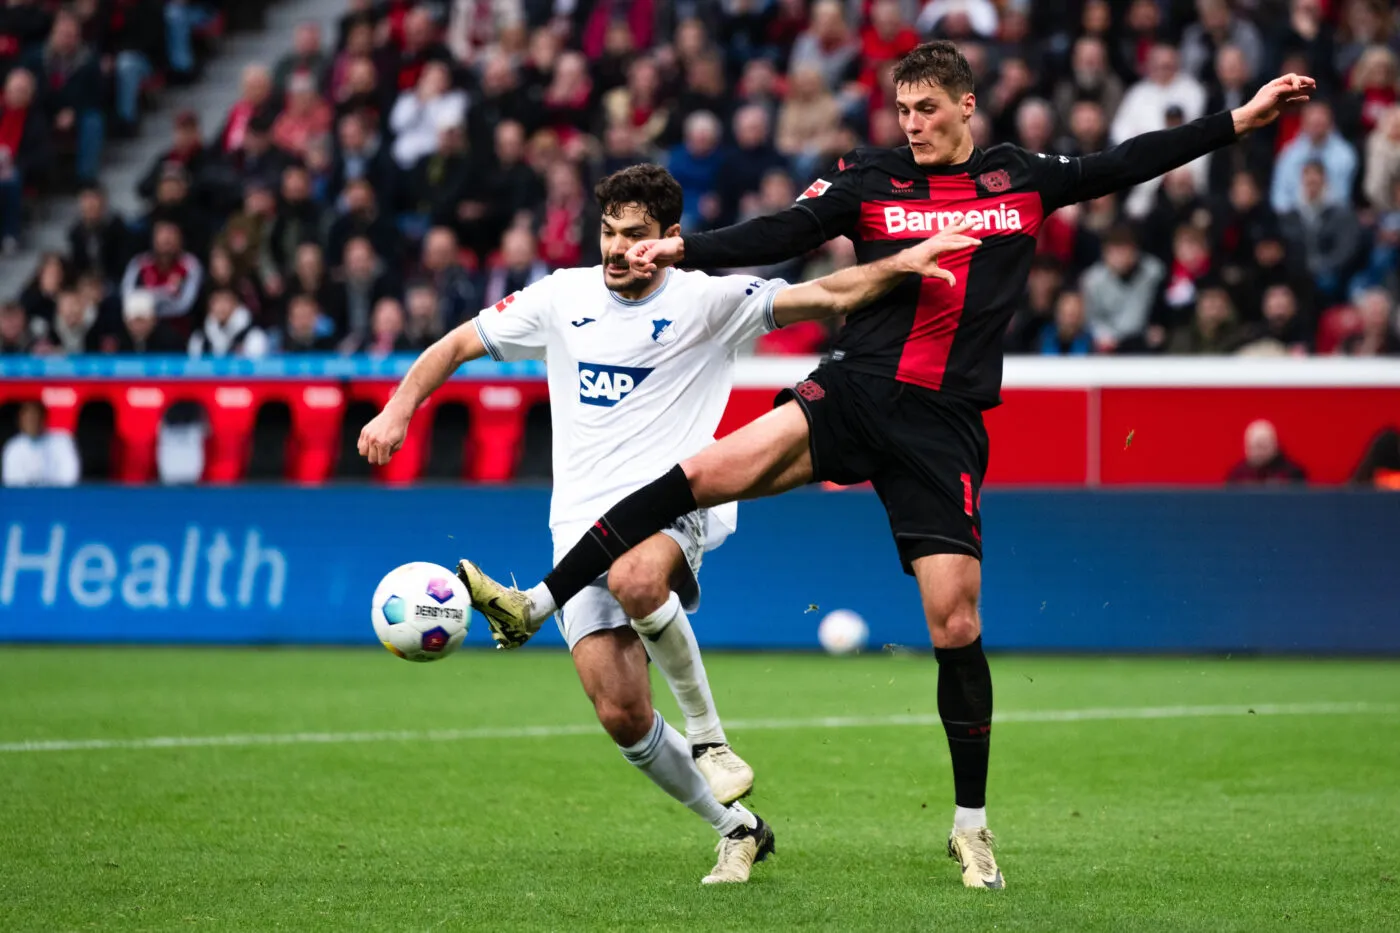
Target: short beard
(633, 282)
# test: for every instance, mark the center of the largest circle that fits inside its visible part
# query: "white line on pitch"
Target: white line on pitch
(820, 722)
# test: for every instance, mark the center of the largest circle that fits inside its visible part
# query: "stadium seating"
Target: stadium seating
(454, 221)
(1066, 423)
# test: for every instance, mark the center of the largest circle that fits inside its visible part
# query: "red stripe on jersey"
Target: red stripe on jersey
(936, 318)
(924, 359)
(911, 219)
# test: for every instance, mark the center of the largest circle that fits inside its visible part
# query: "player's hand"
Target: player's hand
(649, 255)
(1270, 101)
(922, 258)
(384, 435)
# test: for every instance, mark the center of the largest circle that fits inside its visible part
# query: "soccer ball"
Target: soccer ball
(420, 611)
(842, 631)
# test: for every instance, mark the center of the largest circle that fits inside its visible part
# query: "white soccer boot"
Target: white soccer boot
(729, 776)
(507, 610)
(972, 849)
(739, 852)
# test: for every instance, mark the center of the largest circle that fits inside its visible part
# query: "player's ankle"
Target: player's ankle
(969, 818)
(541, 602)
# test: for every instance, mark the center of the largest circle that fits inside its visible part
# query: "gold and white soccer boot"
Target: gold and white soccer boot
(739, 852)
(507, 610)
(729, 776)
(972, 849)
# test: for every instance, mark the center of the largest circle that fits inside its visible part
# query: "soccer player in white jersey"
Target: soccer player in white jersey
(639, 375)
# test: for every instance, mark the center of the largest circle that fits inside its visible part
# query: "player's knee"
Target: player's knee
(626, 723)
(954, 624)
(639, 590)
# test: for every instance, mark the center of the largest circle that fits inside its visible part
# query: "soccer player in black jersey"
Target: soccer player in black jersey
(899, 400)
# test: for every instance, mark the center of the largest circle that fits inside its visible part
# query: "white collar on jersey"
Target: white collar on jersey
(637, 303)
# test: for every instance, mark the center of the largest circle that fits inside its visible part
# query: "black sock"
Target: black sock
(965, 705)
(627, 524)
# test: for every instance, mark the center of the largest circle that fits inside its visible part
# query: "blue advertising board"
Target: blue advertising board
(1064, 571)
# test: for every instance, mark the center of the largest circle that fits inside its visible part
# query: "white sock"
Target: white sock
(670, 641)
(664, 756)
(541, 602)
(970, 818)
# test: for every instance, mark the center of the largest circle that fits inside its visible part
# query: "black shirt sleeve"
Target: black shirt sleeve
(1064, 180)
(828, 208)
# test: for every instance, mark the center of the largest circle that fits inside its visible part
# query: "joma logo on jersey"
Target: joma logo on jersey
(607, 385)
(1000, 218)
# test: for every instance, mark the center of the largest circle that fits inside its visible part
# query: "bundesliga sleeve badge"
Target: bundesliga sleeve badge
(815, 190)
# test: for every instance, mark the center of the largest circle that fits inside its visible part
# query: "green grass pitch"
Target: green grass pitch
(1127, 794)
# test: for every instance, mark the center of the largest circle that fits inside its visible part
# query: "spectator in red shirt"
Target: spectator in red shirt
(887, 37)
(256, 100)
(568, 100)
(1373, 84)
(561, 217)
(640, 103)
(24, 152)
(306, 116)
(172, 275)
(420, 46)
(1264, 461)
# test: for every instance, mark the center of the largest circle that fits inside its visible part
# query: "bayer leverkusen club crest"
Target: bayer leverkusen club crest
(815, 190)
(995, 182)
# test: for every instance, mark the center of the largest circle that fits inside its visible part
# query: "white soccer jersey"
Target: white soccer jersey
(635, 387)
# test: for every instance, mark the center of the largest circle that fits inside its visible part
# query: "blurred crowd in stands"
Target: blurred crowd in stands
(378, 185)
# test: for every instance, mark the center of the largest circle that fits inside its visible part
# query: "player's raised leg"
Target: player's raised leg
(611, 664)
(950, 585)
(646, 582)
(765, 457)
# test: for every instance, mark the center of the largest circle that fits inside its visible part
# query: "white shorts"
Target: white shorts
(594, 609)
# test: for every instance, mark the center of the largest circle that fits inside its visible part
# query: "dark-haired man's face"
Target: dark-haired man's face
(623, 226)
(935, 124)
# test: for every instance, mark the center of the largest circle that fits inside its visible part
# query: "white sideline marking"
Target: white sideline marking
(819, 722)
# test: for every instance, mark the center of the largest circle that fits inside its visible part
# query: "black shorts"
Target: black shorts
(924, 452)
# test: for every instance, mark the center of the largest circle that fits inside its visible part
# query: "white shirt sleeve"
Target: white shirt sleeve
(740, 308)
(517, 326)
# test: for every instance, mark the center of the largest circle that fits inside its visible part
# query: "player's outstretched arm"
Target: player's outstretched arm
(385, 433)
(828, 208)
(758, 242)
(1265, 107)
(1149, 155)
(848, 289)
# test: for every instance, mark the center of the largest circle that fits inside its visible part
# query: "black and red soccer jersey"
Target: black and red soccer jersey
(925, 332)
